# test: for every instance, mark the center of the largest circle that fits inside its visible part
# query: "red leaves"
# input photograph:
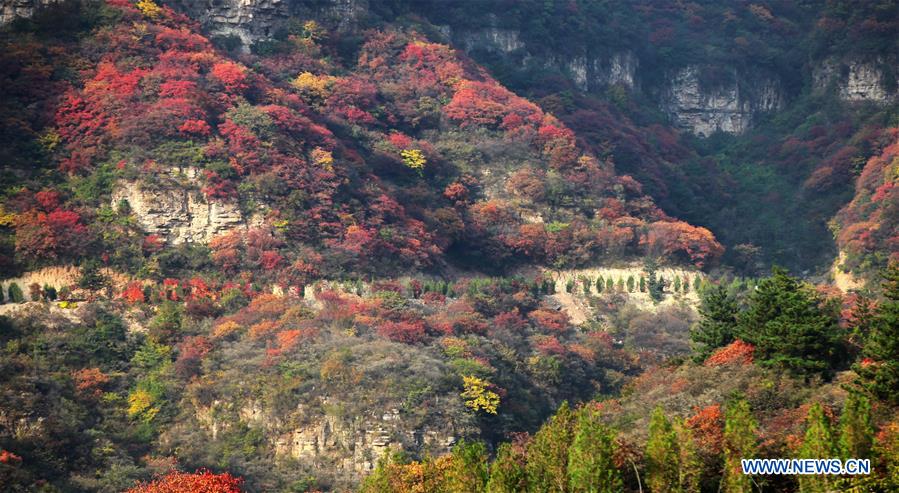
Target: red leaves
(406, 332)
(9, 458)
(549, 320)
(677, 238)
(59, 234)
(133, 293)
(195, 127)
(199, 482)
(735, 353)
(231, 75)
(708, 428)
(89, 382)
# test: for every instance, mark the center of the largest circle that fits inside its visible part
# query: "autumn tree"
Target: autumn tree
(740, 442)
(199, 482)
(717, 323)
(591, 466)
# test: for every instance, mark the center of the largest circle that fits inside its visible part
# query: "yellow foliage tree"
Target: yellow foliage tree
(149, 8)
(323, 158)
(314, 86)
(140, 404)
(414, 159)
(477, 396)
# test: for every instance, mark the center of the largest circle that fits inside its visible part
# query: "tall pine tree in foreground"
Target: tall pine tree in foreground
(739, 443)
(818, 444)
(468, 468)
(717, 323)
(792, 327)
(662, 455)
(547, 466)
(507, 474)
(591, 466)
(879, 371)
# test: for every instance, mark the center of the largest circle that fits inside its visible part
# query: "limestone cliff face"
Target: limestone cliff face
(11, 10)
(856, 80)
(178, 213)
(352, 445)
(727, 106)
(588, 72)
(255, 20)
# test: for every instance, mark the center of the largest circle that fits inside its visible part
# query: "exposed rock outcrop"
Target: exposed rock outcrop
(727, 106)
(179, 214)
(11, 10)
(856, 80)
(352, 445)
(252, 21)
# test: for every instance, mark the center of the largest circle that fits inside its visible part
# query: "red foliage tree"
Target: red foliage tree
(735, 353)
(89, 382)
(407, 332)
(59, 234)
(199, 482)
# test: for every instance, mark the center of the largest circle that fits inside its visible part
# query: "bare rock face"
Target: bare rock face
(492, 39)
(725, 107)
(351, 445)
(252, 21)
(11, 10)
(855, 80)
(178, 214)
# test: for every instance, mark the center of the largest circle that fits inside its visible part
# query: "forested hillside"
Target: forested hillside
(392, 246)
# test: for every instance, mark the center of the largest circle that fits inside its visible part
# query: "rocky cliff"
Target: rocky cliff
(11, 10)
(728, 105)
(178, 212)
(252, 21)
(857, 80)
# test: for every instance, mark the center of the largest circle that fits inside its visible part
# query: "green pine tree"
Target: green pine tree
(881, 377)
(630, 284)
(600, 284)
(856, 437)
(15, 293)
(717, 323)
(677, 284)
(610, 285)
(620, 285)
(739, 443)
(690, 467)
(686, 284)
(697, 283)
(662, 455)
(591, 466)
(91, 278)
(547, 465)
(507, 472)
(586, 283)
(818, 444)
(655, 285)
(791, 327)
(642, 284)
